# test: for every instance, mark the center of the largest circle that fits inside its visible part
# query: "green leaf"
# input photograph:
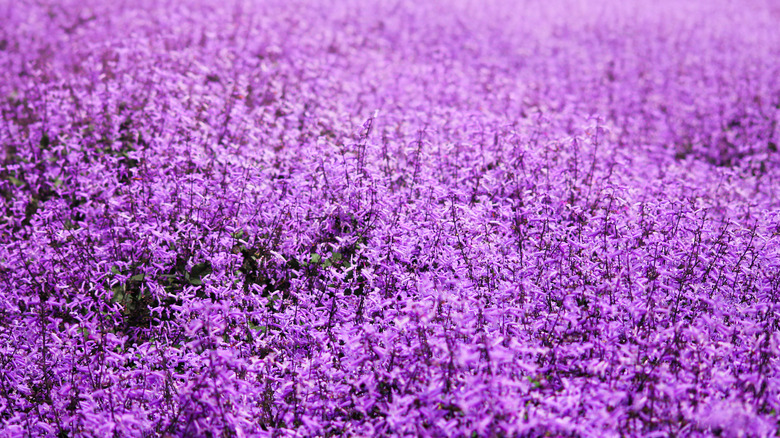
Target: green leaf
(336, 257)
(195, 281)
(258, 328)
(115, 270)
(201, 269)
(31, 208)
(138, 277)
(15, 181)
(315, 258)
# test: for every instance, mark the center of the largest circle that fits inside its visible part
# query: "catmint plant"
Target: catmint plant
(444, 219)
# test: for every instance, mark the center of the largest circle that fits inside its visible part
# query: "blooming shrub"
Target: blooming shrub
(298, 218)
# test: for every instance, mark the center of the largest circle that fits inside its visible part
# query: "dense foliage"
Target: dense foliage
(403, 218)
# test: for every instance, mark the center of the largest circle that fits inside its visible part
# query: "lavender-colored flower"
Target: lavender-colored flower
(389, 219)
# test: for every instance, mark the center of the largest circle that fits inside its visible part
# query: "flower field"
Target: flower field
(303, 218)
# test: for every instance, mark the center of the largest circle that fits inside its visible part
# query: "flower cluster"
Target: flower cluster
(445, 218)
